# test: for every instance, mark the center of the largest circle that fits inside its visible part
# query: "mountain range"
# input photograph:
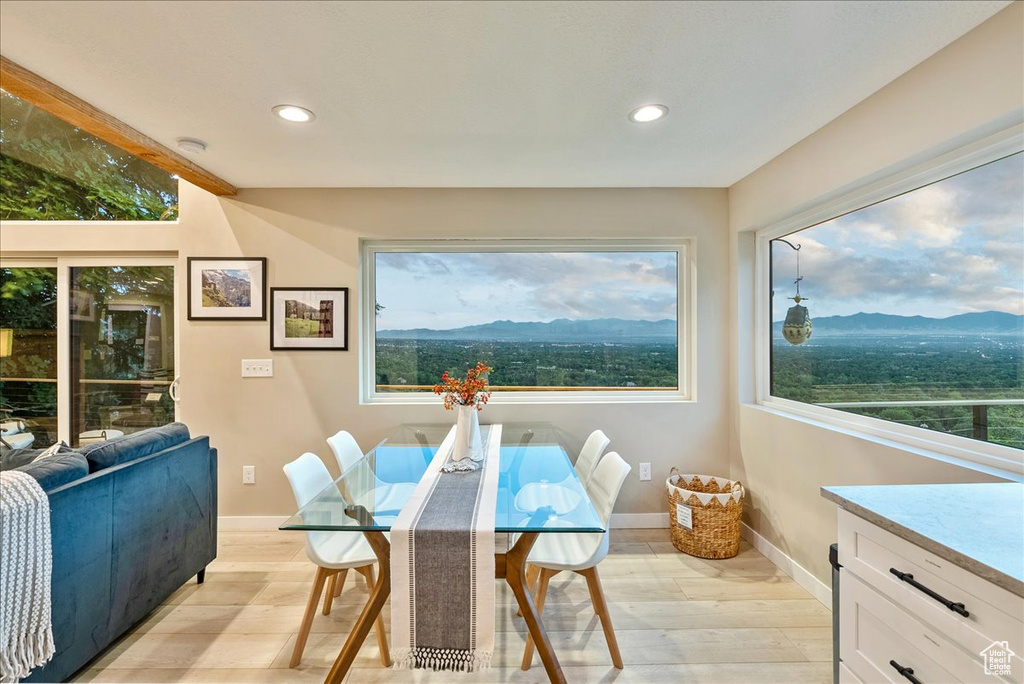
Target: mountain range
(559, 330)
(598, 330)
(980, 322)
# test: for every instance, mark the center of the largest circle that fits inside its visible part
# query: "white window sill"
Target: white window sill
(983, 457)
(538, 398)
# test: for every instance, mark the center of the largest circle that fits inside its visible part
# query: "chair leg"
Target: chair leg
(307, 617)
(532, 572)
(378, 625)
(542, 592)
(601, 608)
(333, 589)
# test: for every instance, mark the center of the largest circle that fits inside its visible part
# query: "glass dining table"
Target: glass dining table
(539, 492)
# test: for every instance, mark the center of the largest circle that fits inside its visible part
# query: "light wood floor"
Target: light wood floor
(678, 619)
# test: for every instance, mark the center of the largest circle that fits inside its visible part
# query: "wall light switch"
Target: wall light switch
(645, 471)
(257, 368)
(248, 474)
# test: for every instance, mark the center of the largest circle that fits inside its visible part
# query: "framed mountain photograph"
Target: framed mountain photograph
(311, 319)
(227, 289)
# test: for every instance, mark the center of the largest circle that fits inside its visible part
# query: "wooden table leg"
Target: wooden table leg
(371, 611)
(515, 575)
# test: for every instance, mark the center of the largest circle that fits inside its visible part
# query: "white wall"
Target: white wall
(972, 88)
(311, 238)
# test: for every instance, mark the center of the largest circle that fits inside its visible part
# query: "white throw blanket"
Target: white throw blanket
(442, 566)
(26, 630)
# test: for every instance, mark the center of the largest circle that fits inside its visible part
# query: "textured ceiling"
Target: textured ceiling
(515, 94)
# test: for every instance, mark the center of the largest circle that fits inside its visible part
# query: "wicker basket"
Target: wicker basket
(713, 506)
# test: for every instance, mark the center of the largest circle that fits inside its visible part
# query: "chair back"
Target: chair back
(346, 450)
(308, 477)
(604, 485)
(590, 454)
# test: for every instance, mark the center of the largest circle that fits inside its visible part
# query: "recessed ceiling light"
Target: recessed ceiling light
(191, 145)
(648, 113)
(294, 113)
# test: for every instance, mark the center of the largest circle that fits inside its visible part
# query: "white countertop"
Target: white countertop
(979, 527)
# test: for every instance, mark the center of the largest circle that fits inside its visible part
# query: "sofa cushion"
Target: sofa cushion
(136, 445)
(53, 471)
(15, 458)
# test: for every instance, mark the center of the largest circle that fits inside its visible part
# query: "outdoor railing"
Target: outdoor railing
(979, 408)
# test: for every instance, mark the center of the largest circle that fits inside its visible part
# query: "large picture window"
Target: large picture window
(587, 321)
(916, 308)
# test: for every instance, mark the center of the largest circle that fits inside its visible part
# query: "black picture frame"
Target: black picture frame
(339, 338)
(200, 313)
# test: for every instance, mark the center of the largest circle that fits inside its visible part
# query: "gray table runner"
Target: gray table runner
(442, 565)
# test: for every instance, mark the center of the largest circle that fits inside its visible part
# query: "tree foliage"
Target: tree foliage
(50, 170)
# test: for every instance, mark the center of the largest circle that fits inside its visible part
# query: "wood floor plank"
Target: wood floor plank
(677, 618)
(814, 642)
(730, 588)
(696, 673)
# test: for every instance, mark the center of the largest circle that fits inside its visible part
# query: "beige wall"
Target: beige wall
(311, 238)
(973, 87)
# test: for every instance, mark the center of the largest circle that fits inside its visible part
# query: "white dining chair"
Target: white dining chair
(334, 553)
(368, 490)
(590, 454)
(580, 553)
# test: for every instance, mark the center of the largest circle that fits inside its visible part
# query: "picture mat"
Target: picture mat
(310, 298)
(253, 267)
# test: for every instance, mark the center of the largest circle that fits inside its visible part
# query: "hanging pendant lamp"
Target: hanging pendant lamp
(797, 327)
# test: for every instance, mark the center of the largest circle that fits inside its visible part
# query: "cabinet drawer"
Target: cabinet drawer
(874, 632)
(994, 614)
(846, 675)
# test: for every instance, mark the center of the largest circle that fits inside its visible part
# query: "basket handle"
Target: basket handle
(737, 485)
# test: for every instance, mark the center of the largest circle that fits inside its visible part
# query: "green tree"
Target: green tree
(50, 170)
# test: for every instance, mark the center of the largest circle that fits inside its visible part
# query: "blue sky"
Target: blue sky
(451, 290)
(952, 247)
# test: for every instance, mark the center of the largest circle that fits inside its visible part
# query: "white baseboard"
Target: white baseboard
(272, 522)
(799, 573)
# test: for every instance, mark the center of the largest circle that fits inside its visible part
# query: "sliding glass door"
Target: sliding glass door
(28, 356)
(122, 349)
(94, 352)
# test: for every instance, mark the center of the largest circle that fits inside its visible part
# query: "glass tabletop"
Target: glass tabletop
(538, 489)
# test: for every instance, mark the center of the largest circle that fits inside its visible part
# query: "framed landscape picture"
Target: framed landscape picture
(306, 318)
(227, 289)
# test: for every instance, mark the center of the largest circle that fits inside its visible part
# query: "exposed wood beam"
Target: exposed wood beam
(50, 97)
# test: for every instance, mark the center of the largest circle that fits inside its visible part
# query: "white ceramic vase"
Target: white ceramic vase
(468, 443)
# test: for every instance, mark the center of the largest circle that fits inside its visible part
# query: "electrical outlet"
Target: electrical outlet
(257, 368)
(248, 474)
(645, 471)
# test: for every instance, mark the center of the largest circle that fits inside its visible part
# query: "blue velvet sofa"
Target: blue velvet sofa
(132, 520)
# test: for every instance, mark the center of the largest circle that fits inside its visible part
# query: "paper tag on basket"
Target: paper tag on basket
(684, 516)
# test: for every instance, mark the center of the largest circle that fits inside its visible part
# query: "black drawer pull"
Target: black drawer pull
(907, 672)
(909, 579)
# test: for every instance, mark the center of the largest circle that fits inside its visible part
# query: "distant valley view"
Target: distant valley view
(857, 358)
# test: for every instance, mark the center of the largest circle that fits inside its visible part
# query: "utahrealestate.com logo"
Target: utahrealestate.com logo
(997, 659)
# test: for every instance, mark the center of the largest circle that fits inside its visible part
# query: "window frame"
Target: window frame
(64, 264)
(880, 187)
(685, 302)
